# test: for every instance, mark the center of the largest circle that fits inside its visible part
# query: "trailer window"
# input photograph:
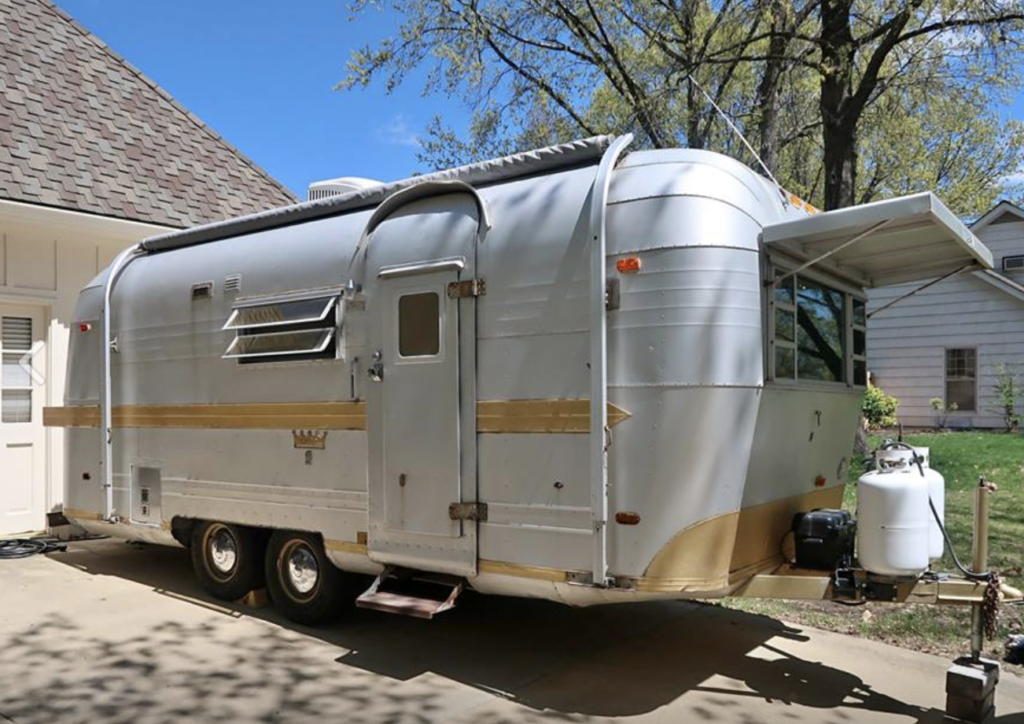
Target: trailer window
(820, 333)
(419, 324)
(283, 330)
(820, 338)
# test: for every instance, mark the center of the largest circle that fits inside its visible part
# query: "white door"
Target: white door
(22, 475)
(420, 395)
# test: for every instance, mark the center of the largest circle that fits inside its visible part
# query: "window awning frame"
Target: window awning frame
(912, 238)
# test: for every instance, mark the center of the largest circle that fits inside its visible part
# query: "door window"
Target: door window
(419, 324)
(15, 373)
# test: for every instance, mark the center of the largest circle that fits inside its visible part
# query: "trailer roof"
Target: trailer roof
(899, 240)
(542, 160)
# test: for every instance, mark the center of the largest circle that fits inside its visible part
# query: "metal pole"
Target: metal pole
(599, 358)
(106, 383)
(980, 562)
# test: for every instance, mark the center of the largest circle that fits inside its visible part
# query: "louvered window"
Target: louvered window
(282, 330)
(15, 372)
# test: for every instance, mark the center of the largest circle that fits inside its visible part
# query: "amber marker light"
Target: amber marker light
(628, 264)
(627, 517)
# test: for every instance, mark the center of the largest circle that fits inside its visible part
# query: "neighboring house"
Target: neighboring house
(93, 157)
(946, 341)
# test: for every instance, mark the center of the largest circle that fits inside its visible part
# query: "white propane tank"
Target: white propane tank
(893, 516)
(898, 453)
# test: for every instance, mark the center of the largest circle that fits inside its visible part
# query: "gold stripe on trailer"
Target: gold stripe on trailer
(267, 416)
(571, 416)
(493, 416)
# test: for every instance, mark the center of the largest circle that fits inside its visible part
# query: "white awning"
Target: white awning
(908, 239)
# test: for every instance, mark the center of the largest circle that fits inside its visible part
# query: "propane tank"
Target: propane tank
(900, 454)
(937, 494)
(893, 514)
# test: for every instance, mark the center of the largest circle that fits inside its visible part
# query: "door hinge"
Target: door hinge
(611, 295)
(467, 288)
(468, 511)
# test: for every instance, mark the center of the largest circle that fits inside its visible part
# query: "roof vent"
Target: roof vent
(338, 186)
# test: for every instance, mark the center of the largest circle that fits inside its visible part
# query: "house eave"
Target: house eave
(83, 224)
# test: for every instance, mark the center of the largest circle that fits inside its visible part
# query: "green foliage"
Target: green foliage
(535, 72)
(942, 410)
(1008, 391)
(878, 408)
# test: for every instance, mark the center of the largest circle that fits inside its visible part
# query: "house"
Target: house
(94, 156)
(947, 341)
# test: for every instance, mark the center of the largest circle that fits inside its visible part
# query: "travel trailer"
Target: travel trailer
(574, 373)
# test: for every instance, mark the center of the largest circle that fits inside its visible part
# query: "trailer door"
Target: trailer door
(421, 399)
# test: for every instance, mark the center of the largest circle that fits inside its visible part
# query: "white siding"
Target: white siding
(46, 257)
(907, 342)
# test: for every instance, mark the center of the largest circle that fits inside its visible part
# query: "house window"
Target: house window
(961, 379)
(283, 330)
(810, 333)
(419, 324)
(15, 377)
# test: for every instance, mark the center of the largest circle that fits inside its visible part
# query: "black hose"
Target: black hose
(973, 575)
(25, 547)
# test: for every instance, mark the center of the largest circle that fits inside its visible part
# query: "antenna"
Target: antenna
(737, 131)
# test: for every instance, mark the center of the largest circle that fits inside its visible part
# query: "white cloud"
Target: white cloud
(399, 132)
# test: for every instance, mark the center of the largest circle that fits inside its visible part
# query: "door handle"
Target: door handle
(376, 372)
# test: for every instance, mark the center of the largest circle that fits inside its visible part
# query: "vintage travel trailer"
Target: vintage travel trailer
(576, 373)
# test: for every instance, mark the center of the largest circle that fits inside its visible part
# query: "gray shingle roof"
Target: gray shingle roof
(82, 129)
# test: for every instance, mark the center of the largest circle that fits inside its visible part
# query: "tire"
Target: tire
(228, 559)
(303, 583)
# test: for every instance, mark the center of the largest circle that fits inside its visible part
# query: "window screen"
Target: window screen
(288, 330)
(419, 324)
(961, 380)
(15, 377)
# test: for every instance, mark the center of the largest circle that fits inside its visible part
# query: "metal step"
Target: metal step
(411, 593)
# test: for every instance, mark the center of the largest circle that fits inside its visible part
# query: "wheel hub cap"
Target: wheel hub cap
(303, 571)
(223, 551)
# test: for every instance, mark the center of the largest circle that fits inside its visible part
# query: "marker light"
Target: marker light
(628, 264)
(84, 327)
(819, 482)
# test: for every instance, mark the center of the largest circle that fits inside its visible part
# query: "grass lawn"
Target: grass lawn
(961, 457)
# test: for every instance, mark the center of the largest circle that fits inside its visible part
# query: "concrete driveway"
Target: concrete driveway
(108, 632)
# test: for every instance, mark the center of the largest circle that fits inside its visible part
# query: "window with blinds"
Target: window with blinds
(15, 373)
(961, 380)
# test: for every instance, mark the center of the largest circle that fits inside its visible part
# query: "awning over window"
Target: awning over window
(908, 239)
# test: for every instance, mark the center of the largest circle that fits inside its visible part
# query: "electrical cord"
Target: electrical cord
(25, 547)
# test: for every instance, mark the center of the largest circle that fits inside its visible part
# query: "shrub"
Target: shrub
(941, 411)
(1008, 392)
(878, 408)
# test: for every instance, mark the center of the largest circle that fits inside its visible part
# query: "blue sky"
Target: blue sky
(260, 73)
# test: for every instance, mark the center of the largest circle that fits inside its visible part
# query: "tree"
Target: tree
(826, 88)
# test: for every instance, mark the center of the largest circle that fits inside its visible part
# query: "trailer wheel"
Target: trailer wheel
(303, 583)
(227, 559)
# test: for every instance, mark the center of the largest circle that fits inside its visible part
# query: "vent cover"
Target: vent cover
(232, 283)
(1013, 263)
(202, 290)
(338, 186)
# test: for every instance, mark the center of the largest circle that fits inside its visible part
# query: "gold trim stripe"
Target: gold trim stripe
(268, 416)
(493, 416)
(520, 570)
(540, 415)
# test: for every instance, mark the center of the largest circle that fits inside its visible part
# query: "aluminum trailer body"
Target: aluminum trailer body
(579, 374)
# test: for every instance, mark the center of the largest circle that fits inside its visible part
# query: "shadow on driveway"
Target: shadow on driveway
(560, 663)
